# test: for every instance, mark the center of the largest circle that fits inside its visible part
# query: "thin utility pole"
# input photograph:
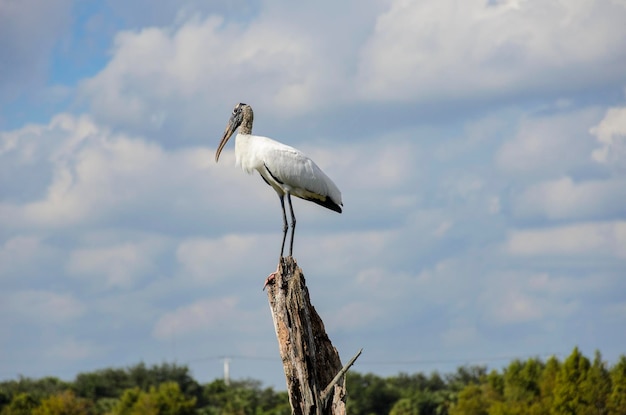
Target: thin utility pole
(227, 371)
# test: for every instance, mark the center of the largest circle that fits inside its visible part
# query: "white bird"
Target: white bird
(287, 170)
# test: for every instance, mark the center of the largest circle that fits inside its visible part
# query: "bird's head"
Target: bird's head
(236, 118)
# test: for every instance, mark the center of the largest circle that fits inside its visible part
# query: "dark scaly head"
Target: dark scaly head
(242, 112)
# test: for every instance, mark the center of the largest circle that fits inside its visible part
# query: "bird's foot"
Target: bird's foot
(271, 278)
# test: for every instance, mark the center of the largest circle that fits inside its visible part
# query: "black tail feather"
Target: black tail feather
(328, 203)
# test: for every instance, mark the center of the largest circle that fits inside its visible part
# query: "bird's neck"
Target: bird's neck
(246, 126)
(244, 154)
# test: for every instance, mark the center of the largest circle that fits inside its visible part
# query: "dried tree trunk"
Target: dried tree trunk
(315, 377)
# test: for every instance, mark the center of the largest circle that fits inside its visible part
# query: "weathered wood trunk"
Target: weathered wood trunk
(310, 361)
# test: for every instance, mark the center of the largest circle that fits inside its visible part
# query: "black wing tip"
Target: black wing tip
(328, 204)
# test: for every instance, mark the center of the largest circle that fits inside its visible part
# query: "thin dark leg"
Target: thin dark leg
(293, 224)
(285, 227)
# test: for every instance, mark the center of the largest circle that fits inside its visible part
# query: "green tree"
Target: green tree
(521, 388)
(65, 403)
(408, 384)
(465, 375)
(167, 399)
(543, 405)
(243, 397)
(421, 402)
(616, 401)
(272, 403)
(405, 406)
(436, 382)
(105, 405)
(493, 390)
(569, 396)
(36, 388)
(472, 401)
(145, 377)
(597, 386)
(127, 402)
(369, 394)
(111, 383)
(5, 398)
(419, 394)
(21, 404)
(106, 383)
(496, 384)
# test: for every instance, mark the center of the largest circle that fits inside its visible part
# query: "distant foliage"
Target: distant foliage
(21, 404)
(64, 403)
(573, 387)
(576, 386)
(617, 399)
(167, 399)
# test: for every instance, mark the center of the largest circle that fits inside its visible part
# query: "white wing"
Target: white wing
(296, 172)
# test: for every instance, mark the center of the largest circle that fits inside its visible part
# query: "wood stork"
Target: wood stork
(287, 170)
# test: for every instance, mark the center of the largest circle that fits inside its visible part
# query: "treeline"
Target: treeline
(166, 389)
(575, 386)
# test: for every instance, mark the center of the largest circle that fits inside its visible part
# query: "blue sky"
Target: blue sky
(480, 148)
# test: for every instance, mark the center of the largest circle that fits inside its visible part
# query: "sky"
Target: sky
(480, 147)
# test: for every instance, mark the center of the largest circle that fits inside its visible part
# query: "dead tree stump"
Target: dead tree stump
(313, 370)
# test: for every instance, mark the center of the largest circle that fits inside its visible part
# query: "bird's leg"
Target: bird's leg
(285, 227)
(293, 224)
(270, 278)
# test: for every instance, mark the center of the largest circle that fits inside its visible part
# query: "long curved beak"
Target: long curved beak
(230, 129)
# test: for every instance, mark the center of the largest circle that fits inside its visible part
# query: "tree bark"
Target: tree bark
(310, 361)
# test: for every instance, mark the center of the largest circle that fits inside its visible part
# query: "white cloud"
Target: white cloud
(438, 50)
(71, 349)
(29, 30)
(179, 78)
(548, 146)
(567, 285)
(494, 205)
(204, 315)
(20, 248)
(97, 176)
(501, 292)
(139, 13)
(61, 143)
(516, 307)
(372, 282)
(461, 333)
(22, 254)
(185, 72)
(445, 283)
(611, 134)
(208, 260)
(180, 74)
(118, 266)
(344, 249)
(43, 307)
(355, 315)
(604, 239)
(565, 199)
(387, 163)
(511, 296)
(443, 228)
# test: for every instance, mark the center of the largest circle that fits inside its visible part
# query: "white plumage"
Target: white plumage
(286, 169)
